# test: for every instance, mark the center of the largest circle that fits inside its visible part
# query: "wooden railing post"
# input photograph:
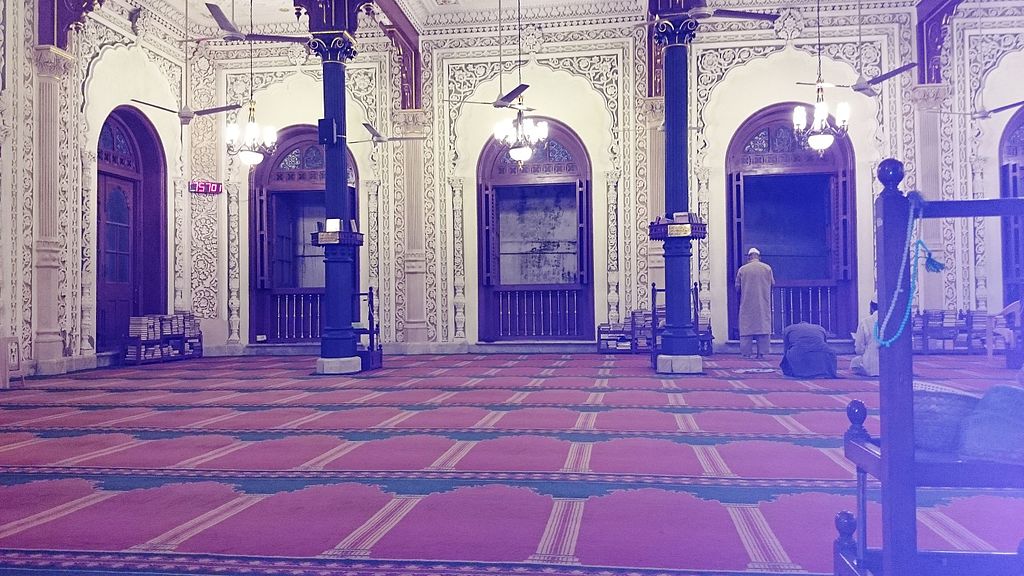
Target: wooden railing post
(899, 499)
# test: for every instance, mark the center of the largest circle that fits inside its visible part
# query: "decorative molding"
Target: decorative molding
(458, 257)
(612, 244)
(789, 25)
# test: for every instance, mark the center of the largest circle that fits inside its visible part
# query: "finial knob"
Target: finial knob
(890, 172)
(846, 524)
(856, 412)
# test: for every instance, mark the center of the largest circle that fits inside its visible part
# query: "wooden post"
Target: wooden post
(899, 498)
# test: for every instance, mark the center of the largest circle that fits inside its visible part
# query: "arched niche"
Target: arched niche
(131, 229)
(286, 200)
(535, 253)
(798, 208)
(1011, 185)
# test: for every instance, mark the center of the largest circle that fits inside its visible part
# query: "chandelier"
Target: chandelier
(520, 134)
(250, 141)
(820, 133)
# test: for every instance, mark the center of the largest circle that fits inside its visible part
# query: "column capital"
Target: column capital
(929, 97)
(52, 62)
(337, 48)
(411, 122)
(675, 30)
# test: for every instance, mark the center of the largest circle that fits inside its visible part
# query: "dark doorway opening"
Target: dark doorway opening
(788, 218)
(1011, 152)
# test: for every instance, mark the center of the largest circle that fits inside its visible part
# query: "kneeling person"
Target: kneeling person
(805, 352)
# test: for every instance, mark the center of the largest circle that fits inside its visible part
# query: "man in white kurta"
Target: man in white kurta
(865, 363)
(754, 280)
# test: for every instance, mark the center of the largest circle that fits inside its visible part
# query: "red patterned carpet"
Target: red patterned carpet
(497, 464)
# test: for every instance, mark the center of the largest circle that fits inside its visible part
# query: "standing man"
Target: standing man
(754, 280)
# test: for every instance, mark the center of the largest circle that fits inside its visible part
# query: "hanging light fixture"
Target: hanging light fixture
(250, 141)
(520, 134)
(819, 134)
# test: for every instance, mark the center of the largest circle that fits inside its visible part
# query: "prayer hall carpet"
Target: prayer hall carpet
(558, 465)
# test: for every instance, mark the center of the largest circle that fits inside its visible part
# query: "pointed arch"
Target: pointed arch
(775, 187)
(535, 241)
(286, 272)
(131, 271)
(1011, 185)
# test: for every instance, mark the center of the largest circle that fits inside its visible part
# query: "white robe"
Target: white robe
(864, 343)
(754, 280)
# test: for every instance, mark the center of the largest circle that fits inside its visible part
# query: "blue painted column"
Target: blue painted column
(338, 339)
(679, 338)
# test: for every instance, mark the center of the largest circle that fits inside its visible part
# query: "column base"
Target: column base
(349, 365)
(680, 364)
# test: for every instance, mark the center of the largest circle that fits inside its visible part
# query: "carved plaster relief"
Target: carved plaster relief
(980, 37)
(609, 60)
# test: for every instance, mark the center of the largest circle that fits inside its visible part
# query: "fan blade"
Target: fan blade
(469, 102)
(275, 38)
(373, 131)
(520, 107)
(217, 110)
(157, 106)
(403, 138)
(359, 141)
(891, 73)
(743, 15)
(506, 100)
(222, 20)
(197, 40)
(1006, 107)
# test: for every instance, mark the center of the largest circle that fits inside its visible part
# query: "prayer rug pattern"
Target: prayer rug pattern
(458, 464)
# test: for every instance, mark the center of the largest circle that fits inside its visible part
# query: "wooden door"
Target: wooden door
(1012, 184)
(116, 272)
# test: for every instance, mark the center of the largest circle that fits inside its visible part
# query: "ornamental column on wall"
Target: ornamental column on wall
(414, 124)
(51, 65)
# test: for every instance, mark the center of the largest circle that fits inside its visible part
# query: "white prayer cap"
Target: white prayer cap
(753, 251)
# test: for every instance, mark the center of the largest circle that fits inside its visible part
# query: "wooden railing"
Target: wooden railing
(816, 304)
(296, 314)
(533, 313)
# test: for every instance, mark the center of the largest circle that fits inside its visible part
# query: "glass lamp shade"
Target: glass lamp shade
(232, 133)
(843, 115)
(799, 118)
(520, 152)
(250, 158)
(820, 141)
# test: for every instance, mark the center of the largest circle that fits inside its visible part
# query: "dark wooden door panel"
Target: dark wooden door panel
(117, 270)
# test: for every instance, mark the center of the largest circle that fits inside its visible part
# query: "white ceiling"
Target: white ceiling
(419, 11)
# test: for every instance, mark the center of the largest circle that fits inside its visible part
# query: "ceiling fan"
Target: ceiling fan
(509, 99)
(699, 10)
(186, 114)
(863, 85)
(982, 114)
(377, 138)
(231, 32)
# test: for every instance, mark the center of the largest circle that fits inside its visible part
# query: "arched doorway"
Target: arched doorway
(131, 214)
(287, 272)
(1011, 163)
(797, 208)
(535, 249)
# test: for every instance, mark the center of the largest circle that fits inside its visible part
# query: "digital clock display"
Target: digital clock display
(205, 187)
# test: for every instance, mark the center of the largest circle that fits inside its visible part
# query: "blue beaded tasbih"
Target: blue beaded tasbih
(931, 265)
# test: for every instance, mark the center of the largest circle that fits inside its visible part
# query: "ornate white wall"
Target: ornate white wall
(419, 198)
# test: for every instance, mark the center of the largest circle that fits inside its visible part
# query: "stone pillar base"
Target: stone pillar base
(680, 364)
(349, 365)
